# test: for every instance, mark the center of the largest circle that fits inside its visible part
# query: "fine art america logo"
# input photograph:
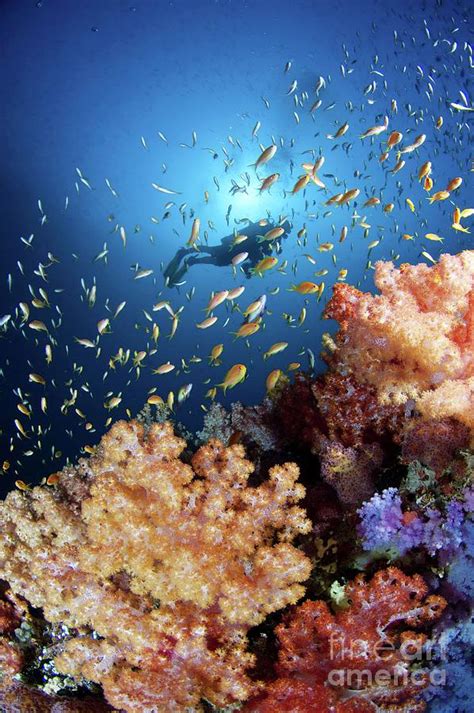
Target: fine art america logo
(405, 665)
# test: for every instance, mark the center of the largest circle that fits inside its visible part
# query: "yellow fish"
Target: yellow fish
(453, 184)
(428, 184)
(20, 428)
(236, 292)
(247, 329)
(194, 237)
(265, 264)
(419, 141)
(216, 300)
(37, 379)
(103, 325)
(216, 352)
(164, 368)
(425, 170)
(334, 199)
(268, 182)
(301, 183)
(305, 288)
(272, 234)
(460, 228)
(371, 201)
(394, 139)
(398, 166)
(24, 410)
(208, 322)
(113, 402)
(275, 349)
(349, 196)
(438, 196)
(266, 155)
(375, 130)
(273, 378)
(38, 326)
(234, 376)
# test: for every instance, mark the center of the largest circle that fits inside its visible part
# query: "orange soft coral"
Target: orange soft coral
(416, 339)
(337, 661)
(168, 564)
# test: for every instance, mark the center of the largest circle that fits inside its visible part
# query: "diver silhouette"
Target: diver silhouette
(223, 253)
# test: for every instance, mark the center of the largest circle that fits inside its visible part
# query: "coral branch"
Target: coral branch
(168, 564)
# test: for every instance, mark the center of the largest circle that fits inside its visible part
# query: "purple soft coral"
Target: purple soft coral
(384, 526)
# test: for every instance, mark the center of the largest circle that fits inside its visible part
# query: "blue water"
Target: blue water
(83, 82)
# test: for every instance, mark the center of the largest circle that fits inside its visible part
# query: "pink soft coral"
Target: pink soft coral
(416, 339)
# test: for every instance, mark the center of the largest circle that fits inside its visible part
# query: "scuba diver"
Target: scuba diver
(258, 244)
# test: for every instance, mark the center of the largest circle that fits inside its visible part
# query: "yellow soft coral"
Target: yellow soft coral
(416, 339)
(169, 564)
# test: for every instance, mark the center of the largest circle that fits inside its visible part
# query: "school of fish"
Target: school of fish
(401, 144)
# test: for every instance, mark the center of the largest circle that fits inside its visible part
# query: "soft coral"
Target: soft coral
(325, 658)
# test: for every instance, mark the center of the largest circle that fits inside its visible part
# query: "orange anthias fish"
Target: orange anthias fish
(266, 155)
(268, 182)
(247, 329)
(234, 376)
(305, 288)
(266, 264)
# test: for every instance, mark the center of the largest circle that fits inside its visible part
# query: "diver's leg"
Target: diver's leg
(173, 266)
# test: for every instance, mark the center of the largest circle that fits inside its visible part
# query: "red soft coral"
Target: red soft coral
(361, 651)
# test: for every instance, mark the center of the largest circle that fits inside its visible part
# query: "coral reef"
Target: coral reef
(434, 443)
(454, 642)
(385, 526)
(460, 576)
(18, 698)
(350, 470)
(340, 421)
(11, 658)
(161, 567)
(415, 340)
(366, 649)
(217, 424)
(252, 422)
(168, 573)
(400, 377)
